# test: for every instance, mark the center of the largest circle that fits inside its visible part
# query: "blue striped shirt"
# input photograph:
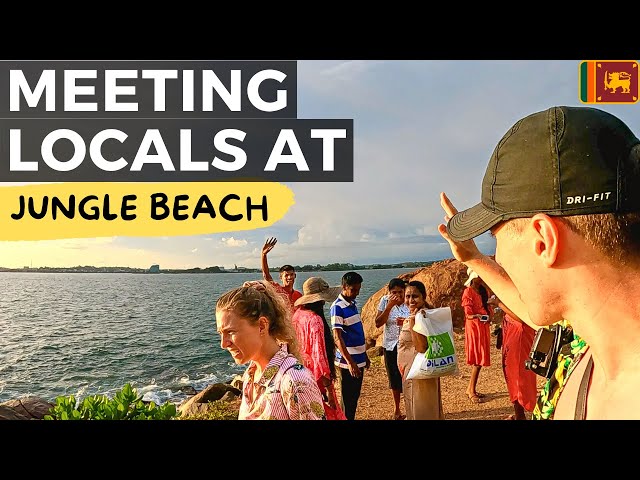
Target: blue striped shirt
(345, 317)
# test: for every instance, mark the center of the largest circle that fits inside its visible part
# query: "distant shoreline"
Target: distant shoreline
(305, 268)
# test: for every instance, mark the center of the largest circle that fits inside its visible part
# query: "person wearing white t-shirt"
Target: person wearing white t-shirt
(391, 313)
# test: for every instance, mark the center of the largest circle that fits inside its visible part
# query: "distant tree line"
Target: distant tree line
(217, 269)
(350, 266)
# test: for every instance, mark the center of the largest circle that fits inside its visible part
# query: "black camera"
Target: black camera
(543, 357)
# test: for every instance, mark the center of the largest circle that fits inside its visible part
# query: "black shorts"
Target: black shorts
(391, 365)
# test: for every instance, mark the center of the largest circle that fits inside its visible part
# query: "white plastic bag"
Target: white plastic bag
(440, 359)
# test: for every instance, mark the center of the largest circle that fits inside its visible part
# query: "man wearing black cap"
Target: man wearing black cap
(561, 195)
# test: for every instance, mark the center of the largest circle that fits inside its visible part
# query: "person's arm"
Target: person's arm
(319, 361)
(354, 369)
(383, 314)
(467, 306)
(509, 312)
(266, 248)
(299, 393)
(420, 342)
(488, 269)
(336, 325)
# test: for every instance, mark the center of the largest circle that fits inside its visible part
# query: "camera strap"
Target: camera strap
(581, 403)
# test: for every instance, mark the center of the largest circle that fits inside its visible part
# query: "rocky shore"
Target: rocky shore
(375, 403)
(445, 283)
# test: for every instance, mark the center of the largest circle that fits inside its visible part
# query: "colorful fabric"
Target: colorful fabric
(345, 317)
(310, 333)
(422, 398)
(477, 334)
(391, 328)
(569, 356)
(605, 81)
(286, 390)
(516, 344)
(290, 296)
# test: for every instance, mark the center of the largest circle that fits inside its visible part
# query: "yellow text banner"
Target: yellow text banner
(83, 210)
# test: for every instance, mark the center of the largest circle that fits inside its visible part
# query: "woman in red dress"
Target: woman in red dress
(477, 337)
(316, 340)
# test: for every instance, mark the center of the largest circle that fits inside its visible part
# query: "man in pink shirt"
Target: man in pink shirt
(287, 274)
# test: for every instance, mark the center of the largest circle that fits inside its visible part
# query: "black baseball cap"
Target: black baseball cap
(561, 161)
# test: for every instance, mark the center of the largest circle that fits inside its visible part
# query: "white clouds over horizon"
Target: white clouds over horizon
(420, 127)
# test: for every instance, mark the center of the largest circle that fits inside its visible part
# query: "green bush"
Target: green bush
(125, 405)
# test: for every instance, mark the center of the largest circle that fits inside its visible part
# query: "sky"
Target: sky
(420, 128)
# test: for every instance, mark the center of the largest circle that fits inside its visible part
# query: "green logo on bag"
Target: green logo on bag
(440, 346)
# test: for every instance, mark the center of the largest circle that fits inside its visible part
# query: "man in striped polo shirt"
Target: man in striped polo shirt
(351, 352)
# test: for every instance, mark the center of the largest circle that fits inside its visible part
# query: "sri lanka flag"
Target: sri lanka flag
(608, 81)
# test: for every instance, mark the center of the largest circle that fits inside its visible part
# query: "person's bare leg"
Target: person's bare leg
(396, 401)
(519, 409)
(473, 381)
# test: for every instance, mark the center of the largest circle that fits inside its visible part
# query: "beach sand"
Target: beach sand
(376, 402)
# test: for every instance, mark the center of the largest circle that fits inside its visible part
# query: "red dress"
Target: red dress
(517, 339)
(477, 337)
(310, 333)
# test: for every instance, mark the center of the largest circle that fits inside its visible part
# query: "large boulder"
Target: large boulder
(28, 408)
(198, 403)
(7, 413)
(445, 283)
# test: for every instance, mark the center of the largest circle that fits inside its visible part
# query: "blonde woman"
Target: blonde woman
(254, 323)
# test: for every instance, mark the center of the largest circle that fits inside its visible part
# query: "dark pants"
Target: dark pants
(391, 365)
(350, 387)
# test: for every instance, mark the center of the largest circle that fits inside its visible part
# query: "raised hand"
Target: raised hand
(268, 245)
(396, 299)
(462, 251)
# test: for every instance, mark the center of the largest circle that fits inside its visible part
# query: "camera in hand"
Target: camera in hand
(543, 357)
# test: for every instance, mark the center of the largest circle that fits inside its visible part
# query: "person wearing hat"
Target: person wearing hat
(477, 335)
(561, 195)
(316, 340)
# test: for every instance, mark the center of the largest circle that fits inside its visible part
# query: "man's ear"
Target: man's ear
(546, 238)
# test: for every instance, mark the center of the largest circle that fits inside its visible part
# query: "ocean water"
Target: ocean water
(84, 334)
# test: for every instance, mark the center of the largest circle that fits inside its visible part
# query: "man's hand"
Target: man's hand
(462, 251)
(395, 299)
(354, 369)
(268, 245)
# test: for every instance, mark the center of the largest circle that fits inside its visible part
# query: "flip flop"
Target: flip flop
(510, 417)
(480, 395)
(399, 417)
(475, 399)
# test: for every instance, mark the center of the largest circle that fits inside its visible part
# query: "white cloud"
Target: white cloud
(232, 242)
(366, 237)
(420, 127)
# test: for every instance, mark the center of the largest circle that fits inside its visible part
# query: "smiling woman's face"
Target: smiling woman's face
(413, 298)
(237, 335)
